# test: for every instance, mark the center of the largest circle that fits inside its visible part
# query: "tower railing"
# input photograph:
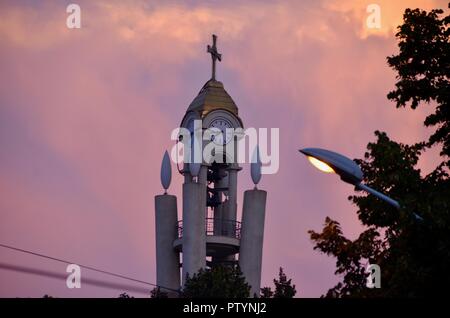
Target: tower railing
(218, 227)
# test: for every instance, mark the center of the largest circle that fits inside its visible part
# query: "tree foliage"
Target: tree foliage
(216, 282)
(283, 287)
(158, 293)
(413, 254)
(266, 292)
(423, 69)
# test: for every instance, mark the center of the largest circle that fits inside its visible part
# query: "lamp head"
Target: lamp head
(329, 161)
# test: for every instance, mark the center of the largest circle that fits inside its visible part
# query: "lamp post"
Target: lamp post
(332, 162)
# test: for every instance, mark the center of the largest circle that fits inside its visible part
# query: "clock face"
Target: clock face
(221, 135)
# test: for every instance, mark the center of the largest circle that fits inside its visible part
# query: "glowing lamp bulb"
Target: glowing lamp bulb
(322, 166)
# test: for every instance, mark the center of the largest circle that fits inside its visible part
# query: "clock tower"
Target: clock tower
(209, 233)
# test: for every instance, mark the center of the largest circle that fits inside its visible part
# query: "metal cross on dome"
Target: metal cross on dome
(214, 55)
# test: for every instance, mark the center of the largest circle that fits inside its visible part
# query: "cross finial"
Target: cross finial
(214, 55)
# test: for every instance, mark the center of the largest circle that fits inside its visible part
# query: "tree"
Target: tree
(157, 293)
(423, 68)
(216, 282)
(266, 292)
(414, 255)
(125, 295)
(283, 287)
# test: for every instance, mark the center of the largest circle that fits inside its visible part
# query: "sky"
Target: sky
(86, 115)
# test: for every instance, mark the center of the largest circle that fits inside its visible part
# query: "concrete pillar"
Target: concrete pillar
(194, 235)
(221, 228)
(231, 211)
(202, 177)
(252, 237)
(218, 211)
(167, 259)
(186, 173)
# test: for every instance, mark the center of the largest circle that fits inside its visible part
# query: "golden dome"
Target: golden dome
(211, 97)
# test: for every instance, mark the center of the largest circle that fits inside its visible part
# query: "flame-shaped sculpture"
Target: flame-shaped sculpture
(166, 172)
(256, 167)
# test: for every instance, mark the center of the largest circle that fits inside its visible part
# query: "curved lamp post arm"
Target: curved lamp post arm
(378, 195)
(384, 198)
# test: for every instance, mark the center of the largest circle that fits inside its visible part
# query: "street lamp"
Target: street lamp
(347, 169)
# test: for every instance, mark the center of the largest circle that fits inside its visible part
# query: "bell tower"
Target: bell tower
(209, 232)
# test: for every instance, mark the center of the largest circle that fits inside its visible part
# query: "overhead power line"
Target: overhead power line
(85, 266)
